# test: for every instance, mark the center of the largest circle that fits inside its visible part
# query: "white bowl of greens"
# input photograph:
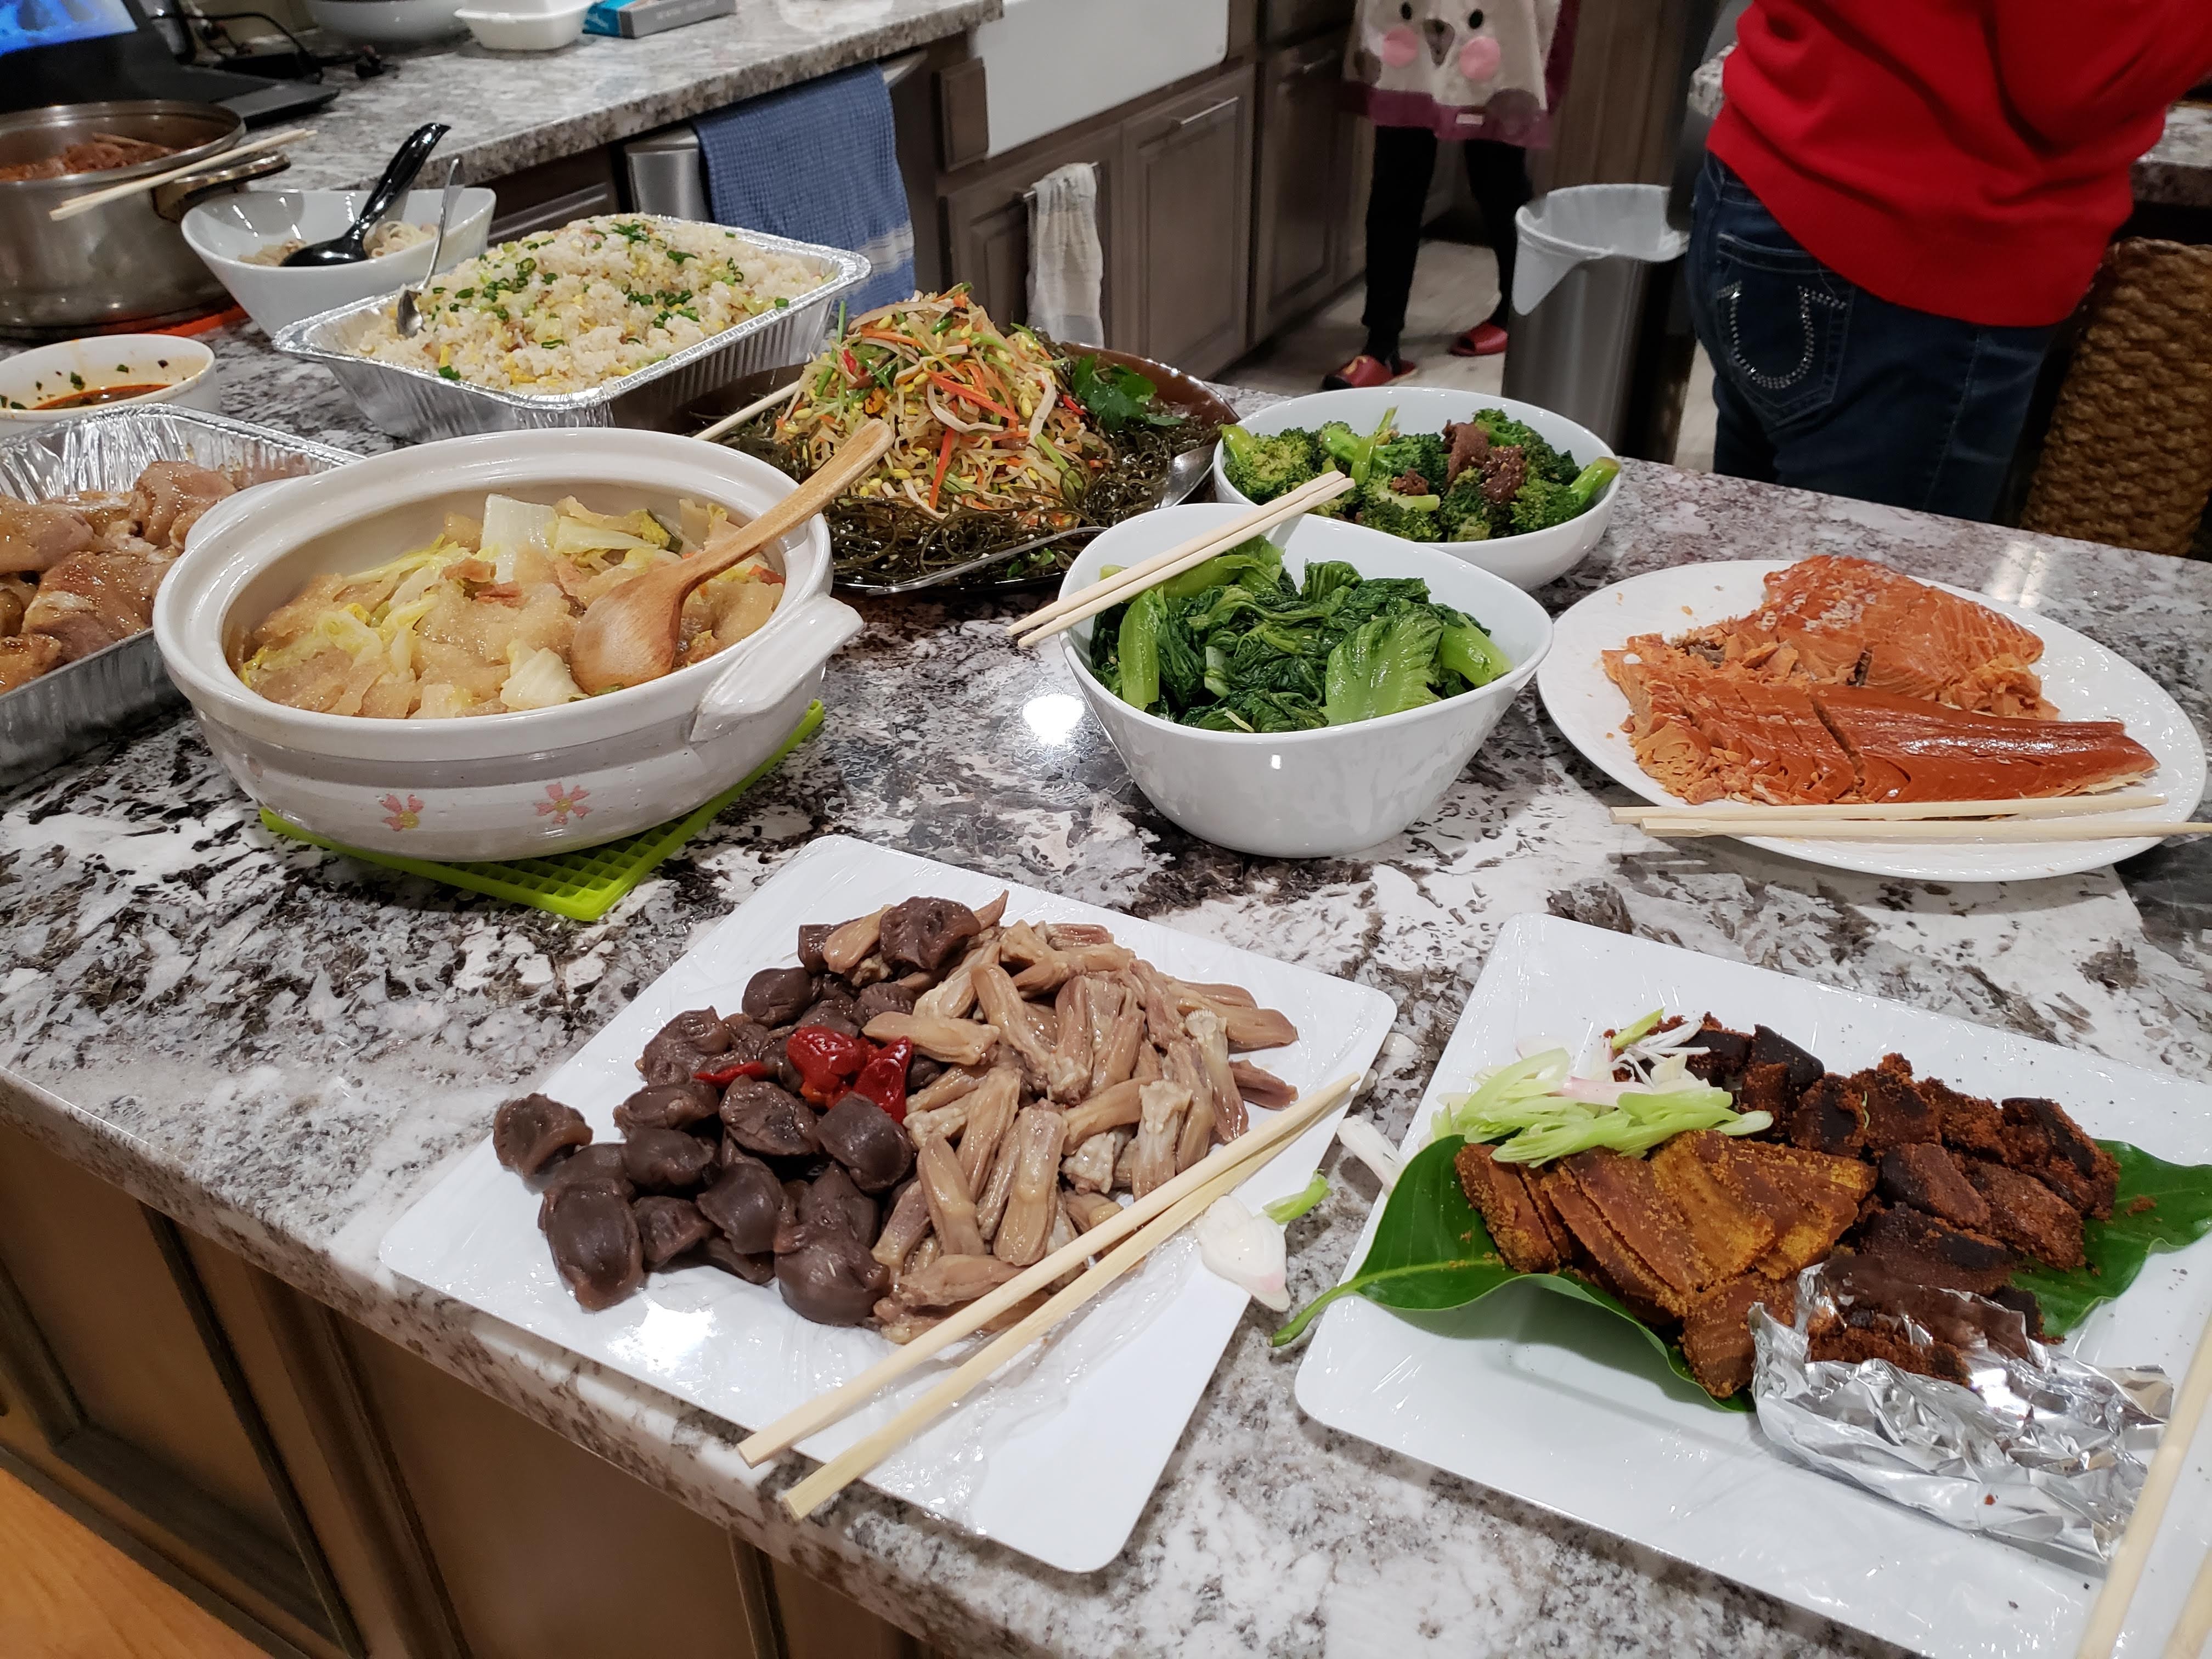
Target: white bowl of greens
(1305, 720)
(1565, 498)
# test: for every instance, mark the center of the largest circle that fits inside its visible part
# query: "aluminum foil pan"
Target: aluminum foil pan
(417, 404)
(82, 704)
(2037, 1449)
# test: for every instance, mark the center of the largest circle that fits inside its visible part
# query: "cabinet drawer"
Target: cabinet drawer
(1287, 19)
(1303, 182)
(1185, 257)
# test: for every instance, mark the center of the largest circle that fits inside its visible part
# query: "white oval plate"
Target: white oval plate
(2085, 680)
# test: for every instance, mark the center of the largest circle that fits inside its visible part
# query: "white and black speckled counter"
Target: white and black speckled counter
(282, 1048)
(2177, 171)
(509, 111)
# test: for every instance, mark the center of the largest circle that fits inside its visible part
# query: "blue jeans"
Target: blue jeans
(1822, 386)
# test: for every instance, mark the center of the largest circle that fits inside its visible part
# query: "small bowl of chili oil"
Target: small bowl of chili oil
(76, 378)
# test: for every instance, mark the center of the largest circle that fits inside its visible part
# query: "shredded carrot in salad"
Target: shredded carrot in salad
(980, 418)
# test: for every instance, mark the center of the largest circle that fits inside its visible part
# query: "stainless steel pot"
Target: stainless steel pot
(126, 261)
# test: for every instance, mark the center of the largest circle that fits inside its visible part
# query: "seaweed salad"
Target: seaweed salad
(1234, 645)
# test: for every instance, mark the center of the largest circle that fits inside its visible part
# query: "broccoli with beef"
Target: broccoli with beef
(1544, 461)
(1413, 517)
(1542, 503)
(1264, 467)
(1420, 453)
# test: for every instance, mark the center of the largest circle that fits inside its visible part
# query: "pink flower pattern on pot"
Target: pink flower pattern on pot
(562, 803)
(400, 814)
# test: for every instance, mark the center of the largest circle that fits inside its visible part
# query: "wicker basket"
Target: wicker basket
(2128, 459)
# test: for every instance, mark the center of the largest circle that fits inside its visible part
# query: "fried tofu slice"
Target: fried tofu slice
(1929, 1178)
(1627, 1191)
(1614, 1266)
(2028, 1215)
(1729, 1233)
(1501, 1192)
(2042, 1140)
(1717, 1331)
(1811, 1197)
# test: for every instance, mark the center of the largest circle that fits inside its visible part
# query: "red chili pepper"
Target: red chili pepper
(723, 1078)
(852, 364)
(882, 1080)
(827, 1061)
(1071, 405)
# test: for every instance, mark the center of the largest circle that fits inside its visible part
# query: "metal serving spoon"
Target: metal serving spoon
(407, 315)
(406, 162)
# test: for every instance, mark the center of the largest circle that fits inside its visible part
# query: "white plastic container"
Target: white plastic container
(182, 372)
(526, 25)
(495, 785)
(1326, 793)
(223, 232)
(1526, 561)
(390, 22)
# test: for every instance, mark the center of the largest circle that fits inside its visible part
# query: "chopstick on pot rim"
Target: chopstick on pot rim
(2052, 806)
(1108, 591)
(806, 1496)
(759, 406)
(2110, 1611)
(77, 204)
(1991, 831)
(1237, 1158)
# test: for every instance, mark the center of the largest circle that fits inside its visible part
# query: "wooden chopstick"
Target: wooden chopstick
(1988, 831)
(1081, 605)
(761, 406)
(2054, 806)
(77, 204)
(856, 1460)
(841, 1402)
(2187, 1640)
(2102, 1633)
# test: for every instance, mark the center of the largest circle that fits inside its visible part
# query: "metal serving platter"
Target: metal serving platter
(417, 404)
(82, 704)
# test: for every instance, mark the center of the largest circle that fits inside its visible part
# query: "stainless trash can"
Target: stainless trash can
(1586, 259)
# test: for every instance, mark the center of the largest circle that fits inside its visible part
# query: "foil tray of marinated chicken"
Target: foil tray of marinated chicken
(96, 695)
(1942, 1401)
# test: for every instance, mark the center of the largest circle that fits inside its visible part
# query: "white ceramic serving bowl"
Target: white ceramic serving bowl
(526, 25)
(224, 231)
(1309, 795)
(390, 22)
(1528, 562)
(183, 369)
(497, 785)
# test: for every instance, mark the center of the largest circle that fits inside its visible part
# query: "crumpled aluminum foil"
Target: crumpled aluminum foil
(2044, 1451)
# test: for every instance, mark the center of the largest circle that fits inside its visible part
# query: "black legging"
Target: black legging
(1404, 159)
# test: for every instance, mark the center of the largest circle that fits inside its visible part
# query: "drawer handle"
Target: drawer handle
(1210, 110)
(1317, 66)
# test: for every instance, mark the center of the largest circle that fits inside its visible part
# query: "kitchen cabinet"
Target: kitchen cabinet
(1304, 171)
(1288, 20)
(987, 227)
(1183, 266)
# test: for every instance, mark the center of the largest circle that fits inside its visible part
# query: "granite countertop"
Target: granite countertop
(2177, 171)
(510, 112)
(283, 1049)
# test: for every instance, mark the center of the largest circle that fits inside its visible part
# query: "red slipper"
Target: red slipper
(1366, 370)
(1483, 340)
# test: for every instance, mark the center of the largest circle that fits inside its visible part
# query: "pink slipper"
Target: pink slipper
(1483, 340)
(1363, 371)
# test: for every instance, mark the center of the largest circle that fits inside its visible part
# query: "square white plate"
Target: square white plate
(1125, 1373)
(1564, 1406)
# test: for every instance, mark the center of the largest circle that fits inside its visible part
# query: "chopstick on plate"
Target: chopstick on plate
(2053, 806)
(1237, 1157)
(1990, 831)
(77, 204)
(759, 406)
(2187, 1641)
(2110, 1612)
(803, 1498)
(1104, 594)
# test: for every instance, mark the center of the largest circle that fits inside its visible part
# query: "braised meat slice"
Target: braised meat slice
(601, 1162)
(667, 1159)
(668, 1106)
(831, 1203)
(923, 933)
(1729, 1234)
(1829, 1117)
(885, 997)
(595, 1242)
(1504, 1194)
(2028, 1215)
(37, 536)
(777, 996)
(811, 937)
(1810, 1197)
(1722, 1062)
(527, 1131)
(868, 1141)
(829, 1277)
(1969, 1124)
(746, 1202)
(1771, 1047)
(1767, 1089)
(666, 1227)
(716, 1251)
(684, 1046)
(2042, 1140)
(1917, 1248)
(1896, 1114)
(1614, 1266)
(766, 1119)
(1929, 1178)
(1717, 1330)
(1627, 1191)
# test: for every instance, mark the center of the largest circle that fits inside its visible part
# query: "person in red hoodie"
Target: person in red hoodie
(1900, 204)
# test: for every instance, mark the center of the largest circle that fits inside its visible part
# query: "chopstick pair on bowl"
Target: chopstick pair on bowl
(2066, 817)
(1123, 585)
(1119, 1243)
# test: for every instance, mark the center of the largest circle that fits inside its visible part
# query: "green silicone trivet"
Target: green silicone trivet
(582, 885)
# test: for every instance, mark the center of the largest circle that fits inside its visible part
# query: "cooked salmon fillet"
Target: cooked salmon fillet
(1706, 733)
(1849, 621)
(1907, 750)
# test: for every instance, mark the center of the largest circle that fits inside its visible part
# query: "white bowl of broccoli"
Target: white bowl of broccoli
(1517, 490)
(1301, 696)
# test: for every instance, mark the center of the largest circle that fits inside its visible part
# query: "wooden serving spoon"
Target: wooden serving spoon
(629, 634)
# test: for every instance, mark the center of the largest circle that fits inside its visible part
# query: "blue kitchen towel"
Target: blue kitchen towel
(817, 163)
